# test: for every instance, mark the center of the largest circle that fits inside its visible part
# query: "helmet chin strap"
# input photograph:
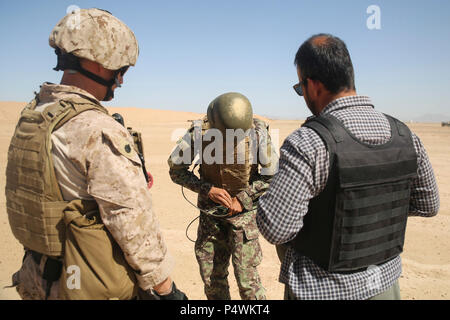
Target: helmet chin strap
(109, 92)
(69, 61)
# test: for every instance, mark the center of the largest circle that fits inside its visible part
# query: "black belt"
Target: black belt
(52, 270)
(36, 256)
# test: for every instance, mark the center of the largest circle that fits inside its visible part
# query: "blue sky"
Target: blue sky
(192, 51)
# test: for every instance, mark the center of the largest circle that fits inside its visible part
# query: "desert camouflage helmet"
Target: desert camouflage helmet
(98, 36)
(230, 111)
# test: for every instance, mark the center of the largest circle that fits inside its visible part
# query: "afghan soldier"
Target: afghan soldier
(76, 194)
(229, 179)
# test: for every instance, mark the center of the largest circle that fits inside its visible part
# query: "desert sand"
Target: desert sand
(426, 256)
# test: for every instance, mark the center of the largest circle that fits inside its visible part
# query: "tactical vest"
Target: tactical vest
(233, 176)
(33, 198)
(359, 219)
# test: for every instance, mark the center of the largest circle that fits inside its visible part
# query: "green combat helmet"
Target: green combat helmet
(230, 111)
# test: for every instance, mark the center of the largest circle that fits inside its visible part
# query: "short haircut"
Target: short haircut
(325, 58)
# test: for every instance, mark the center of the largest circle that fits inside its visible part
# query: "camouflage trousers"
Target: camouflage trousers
(218, 240)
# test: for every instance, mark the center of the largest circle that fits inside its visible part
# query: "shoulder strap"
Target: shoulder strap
(33, 103)
(333, 125)
(61, 112)
(327, 130)
(397, 125)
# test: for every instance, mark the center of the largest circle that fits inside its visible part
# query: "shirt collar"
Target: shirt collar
(52, 92)
(346, 102)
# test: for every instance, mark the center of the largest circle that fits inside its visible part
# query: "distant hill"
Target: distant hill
(10, 112)
(273, 117)
(431, 117)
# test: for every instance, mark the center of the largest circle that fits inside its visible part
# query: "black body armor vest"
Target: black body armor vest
(359, 219)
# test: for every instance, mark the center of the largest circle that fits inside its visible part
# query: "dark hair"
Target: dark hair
(325, 58)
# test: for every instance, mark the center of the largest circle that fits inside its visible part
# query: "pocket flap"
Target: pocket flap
(251, 231)
(121, 144)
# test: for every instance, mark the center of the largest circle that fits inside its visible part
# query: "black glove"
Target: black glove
(175, 294)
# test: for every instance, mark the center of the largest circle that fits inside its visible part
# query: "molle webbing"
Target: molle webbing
(34, 201)
(373, 223)
(360, 217)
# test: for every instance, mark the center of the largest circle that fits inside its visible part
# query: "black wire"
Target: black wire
(189, 225)
(187, 228)
(201, 210)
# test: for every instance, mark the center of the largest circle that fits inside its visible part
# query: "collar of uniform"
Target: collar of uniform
(52, 92)
(346, 102)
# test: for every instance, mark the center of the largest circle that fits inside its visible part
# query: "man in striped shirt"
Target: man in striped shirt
(326, 82)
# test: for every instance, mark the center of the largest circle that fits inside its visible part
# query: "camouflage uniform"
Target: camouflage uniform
(92, 161)
(218, 239)
(89, 165)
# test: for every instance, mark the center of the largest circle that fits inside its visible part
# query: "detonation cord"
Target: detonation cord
(201, 210)
(187, 229)
(189, 225)
(210, 212)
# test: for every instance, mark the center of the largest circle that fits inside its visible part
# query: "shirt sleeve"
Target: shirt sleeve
(180, 162)
(302, 175)
(116, 181)
(424, 190)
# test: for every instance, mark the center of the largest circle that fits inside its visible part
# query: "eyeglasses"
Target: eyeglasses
(121, 71)
(298, 87)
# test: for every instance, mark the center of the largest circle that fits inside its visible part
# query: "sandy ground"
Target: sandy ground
(426, 257)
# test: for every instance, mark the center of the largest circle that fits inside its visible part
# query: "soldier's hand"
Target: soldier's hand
(236, 207)
(175, 294)
(220, 196)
